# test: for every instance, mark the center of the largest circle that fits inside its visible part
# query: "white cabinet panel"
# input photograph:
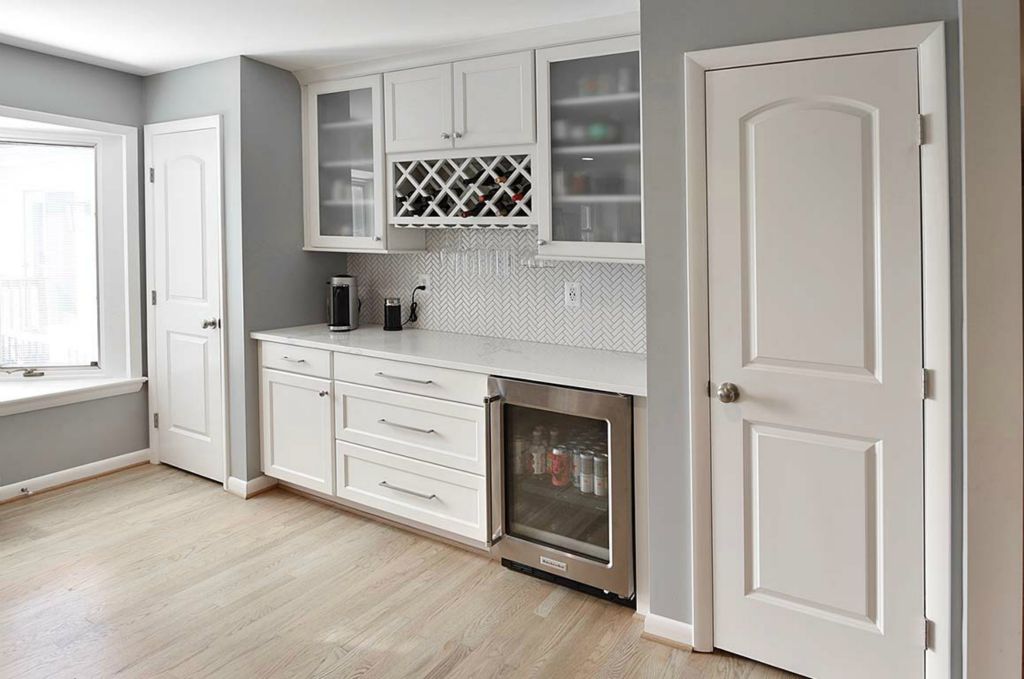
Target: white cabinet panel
(418, 106)
(588, 171)
(344, 177)
(428, 429)
(296, 429)
(434, 496)
(494, 100)
(412, 378)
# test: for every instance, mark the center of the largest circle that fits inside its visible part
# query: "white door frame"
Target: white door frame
(186, 125)
(928, 40)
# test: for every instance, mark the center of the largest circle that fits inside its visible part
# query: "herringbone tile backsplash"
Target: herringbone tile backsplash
(517, 302)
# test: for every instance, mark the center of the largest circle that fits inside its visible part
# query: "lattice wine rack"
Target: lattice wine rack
(477, 191)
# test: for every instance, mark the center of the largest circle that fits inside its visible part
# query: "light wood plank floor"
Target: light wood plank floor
(152, 572)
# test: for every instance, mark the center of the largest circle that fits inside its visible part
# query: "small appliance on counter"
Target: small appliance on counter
(342, 303)
(392, 313)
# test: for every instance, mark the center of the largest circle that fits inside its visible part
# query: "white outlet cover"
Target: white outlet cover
(424, 279)
(572, 295)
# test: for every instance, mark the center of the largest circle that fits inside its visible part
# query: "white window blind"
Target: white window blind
(49, 308)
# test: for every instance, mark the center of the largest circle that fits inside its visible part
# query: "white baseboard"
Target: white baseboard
(246, 489)
(668, 630)
(85, 471)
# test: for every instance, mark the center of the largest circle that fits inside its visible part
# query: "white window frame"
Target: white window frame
(118, 264)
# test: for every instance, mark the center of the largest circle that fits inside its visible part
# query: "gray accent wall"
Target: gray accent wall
(668, 29)
(271, 281)
(284, 285)
(46, 441)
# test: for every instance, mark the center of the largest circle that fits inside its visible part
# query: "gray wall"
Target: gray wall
(271, 281)
(46, 441)
(284, 285)
(668, 29)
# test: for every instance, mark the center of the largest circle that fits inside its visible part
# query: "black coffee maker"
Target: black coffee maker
(342, 303)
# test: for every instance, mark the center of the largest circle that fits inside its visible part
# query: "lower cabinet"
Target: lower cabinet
(297, 436)
(434, 496)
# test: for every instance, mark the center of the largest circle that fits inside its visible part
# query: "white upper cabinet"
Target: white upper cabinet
(468, 104)
(494, 102)
(588, 173)
(344, 177)
(418, 102)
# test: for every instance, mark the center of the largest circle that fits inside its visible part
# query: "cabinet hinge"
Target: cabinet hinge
(152, 175)
(926, 383)
(152, 297)
(156, 420)
(922, 130)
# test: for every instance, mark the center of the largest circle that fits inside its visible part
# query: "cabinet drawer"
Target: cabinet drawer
(411, 378)
(441, 432)
(289, 358)
(437, 497)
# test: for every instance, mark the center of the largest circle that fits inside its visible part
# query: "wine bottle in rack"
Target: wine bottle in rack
(519, 189)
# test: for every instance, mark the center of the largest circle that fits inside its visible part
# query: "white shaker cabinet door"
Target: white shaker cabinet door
(418, 109)
(494, 101)
(297, 434)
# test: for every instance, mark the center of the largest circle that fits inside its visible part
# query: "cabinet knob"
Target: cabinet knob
(541, 241)
(458, 135)
(376, 238)
(323, 392)
(445, 135)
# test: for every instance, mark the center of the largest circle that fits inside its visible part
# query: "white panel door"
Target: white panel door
(814, 237)
(185, 200)
(494, 100)
(297, 435)
(418, 109)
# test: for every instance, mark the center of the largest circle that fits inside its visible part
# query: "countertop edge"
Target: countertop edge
(631, 390)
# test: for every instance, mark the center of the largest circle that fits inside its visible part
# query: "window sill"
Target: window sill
(36, 393)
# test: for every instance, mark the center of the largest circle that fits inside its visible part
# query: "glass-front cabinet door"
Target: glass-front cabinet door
(589, 148)
(344, 165)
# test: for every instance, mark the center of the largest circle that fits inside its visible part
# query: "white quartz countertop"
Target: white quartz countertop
(613, 371)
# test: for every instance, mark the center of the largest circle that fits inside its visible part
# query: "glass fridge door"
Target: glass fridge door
(557, 481)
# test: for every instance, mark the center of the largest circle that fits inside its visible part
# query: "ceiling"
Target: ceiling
(146, 36)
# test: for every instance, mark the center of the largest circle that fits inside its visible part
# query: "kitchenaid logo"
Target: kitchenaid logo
(551, 563)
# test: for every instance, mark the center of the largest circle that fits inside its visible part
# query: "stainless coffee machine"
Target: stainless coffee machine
(342, 303)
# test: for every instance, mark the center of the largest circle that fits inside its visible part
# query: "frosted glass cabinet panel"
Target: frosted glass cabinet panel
(344, 165)
(590, 150)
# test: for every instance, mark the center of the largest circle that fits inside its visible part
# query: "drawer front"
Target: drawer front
(441, 498)
(293, 359)
(427, 429)
(411, 378)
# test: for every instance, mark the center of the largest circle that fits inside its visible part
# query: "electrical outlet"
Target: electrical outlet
(424, 280)
(572, 295)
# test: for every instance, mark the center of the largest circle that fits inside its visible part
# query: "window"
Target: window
(70, 294)
(49, 295)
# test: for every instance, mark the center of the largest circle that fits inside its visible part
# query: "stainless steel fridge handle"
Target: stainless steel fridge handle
(495, 464)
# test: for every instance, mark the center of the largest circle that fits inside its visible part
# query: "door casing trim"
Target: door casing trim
(185, 125)
(928, 40)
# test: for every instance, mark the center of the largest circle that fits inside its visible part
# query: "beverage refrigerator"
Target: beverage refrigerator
(562, 484)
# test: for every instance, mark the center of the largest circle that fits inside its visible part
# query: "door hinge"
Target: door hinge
(152, 297)
(929, 634)
(926, 383)
(156, 420)
(922, 130)
(152, 175)
(707, 389)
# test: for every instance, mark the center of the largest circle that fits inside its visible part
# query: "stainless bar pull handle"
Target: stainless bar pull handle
(403, 379)
(385, 484)
(405, 426)
(293, 360)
